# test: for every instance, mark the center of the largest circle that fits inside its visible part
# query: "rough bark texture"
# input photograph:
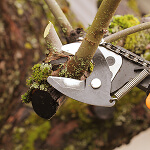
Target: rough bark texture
(20, 46)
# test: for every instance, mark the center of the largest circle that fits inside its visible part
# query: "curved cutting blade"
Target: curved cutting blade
(82, 90)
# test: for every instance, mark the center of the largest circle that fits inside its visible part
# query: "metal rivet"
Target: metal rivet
(110, 60)
(96, 83)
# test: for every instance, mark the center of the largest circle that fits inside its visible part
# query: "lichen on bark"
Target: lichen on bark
(77, 67)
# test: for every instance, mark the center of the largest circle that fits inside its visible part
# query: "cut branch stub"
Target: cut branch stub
(45, 103)
(52, 39)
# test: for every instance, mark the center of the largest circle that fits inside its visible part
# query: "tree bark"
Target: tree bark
(18, 30)
(60, 16)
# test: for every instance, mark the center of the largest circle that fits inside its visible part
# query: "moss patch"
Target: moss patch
(32, 130)
(122, 22)
(136, 42)
(38, 80)
(74, 109)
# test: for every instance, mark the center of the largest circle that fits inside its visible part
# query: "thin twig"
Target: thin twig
(125, 32)
(60, 16)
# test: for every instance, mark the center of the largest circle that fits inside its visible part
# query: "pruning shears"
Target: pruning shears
(116, 71)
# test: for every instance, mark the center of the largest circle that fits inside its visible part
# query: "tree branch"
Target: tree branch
(93, 37)
(125, 32)
(50, 99)
(52, 38)
(60, 17)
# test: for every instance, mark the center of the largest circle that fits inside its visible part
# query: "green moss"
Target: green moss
(136, 42)
(70, 147)
(38, 80)
(131, 41)
(91, 67)
(64, 30)
(147, 55)
(74, 109)
(34, 128)
(26, 97)
(40, 72)
(78, 67)
(34, 133)
(63, 70)
(125, 106)
(51, 48)
(122, 22)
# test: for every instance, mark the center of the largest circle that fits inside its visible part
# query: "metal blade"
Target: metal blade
(88, 93)
(67, 82)
(114, 61)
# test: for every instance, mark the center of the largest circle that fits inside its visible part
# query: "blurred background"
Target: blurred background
(76, 126)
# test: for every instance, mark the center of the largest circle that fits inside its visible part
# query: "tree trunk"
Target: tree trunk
(20, 46)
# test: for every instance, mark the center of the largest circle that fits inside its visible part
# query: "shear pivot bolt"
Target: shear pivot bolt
(96, 83)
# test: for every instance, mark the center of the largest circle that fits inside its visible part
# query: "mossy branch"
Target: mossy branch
(93, 37)
(60, 16)
(125, 32)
